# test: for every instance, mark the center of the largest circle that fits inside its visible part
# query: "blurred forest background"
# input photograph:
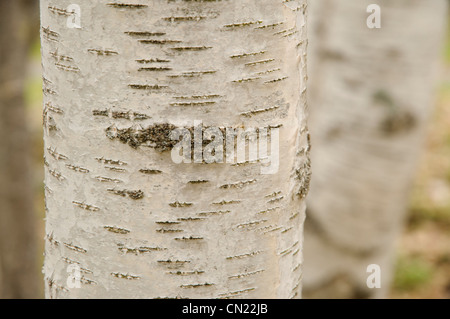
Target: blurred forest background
(423, 258)
(423, 262)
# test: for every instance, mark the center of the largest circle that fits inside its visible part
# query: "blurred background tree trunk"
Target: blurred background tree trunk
(18, 253)
(371, 91)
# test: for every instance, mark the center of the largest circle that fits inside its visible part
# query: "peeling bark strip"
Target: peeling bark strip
(115, 89)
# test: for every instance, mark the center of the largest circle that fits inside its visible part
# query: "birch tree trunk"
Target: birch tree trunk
(371, 93)
(118, 208)
(18, 253)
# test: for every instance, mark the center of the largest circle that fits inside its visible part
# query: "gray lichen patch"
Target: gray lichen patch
(156, 136)
(303, 175)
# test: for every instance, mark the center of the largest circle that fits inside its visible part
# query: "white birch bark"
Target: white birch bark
(135, 223)
(371, 93)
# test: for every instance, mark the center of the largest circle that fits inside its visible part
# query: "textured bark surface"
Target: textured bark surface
(135, 223)
(18, 253)
(370, 94)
